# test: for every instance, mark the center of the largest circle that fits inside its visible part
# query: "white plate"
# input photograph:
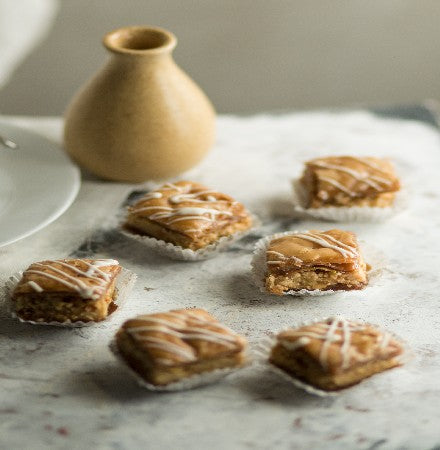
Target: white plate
(37, 184)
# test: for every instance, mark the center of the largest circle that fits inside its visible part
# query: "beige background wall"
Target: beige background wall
(251, 55)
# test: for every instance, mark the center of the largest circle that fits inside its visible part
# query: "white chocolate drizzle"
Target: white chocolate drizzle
(181, 330)
(282, 258)
(171, 187)
(35, 286)
(334, 330)
(152, 195)
(386, 337)
(350, 249)
(197, 213)
(370, 164)
(360, 176)
(168, 347)
(97, 278)
(298, 343)
(373, 181)
(175, 214)
(186, 197)
(319, 238)
(339, 186)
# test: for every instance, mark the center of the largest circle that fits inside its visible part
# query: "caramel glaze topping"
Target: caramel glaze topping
(335, 248)
(338, 344)
(189, 208)
(353, 176)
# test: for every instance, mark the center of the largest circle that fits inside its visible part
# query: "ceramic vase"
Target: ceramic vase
(140, 117)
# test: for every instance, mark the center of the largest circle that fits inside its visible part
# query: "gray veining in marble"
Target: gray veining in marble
(61, 388)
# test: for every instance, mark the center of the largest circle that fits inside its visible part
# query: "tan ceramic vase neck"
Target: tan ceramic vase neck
(140, 48)
(140, 117)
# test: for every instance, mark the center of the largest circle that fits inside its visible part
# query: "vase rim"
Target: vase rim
(140, 40)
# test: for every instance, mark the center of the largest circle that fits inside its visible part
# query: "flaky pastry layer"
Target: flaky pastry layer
(54, 307)
(66, 290)
(315, 260)
(322, 279)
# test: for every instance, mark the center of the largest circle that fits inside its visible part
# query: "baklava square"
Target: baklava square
(167, 347)
(187, 214)
(315, 260)
(66, 290)
(335, 353)
(347, 181)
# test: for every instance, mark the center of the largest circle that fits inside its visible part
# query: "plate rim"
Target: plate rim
(60, 210)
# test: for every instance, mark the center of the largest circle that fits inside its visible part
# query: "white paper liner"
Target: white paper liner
(372, 257)
(185, 254)
(191, 382)
(264, 347)
(343, 213)
(123, 285)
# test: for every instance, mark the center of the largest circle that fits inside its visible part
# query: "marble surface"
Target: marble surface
(61, 388)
